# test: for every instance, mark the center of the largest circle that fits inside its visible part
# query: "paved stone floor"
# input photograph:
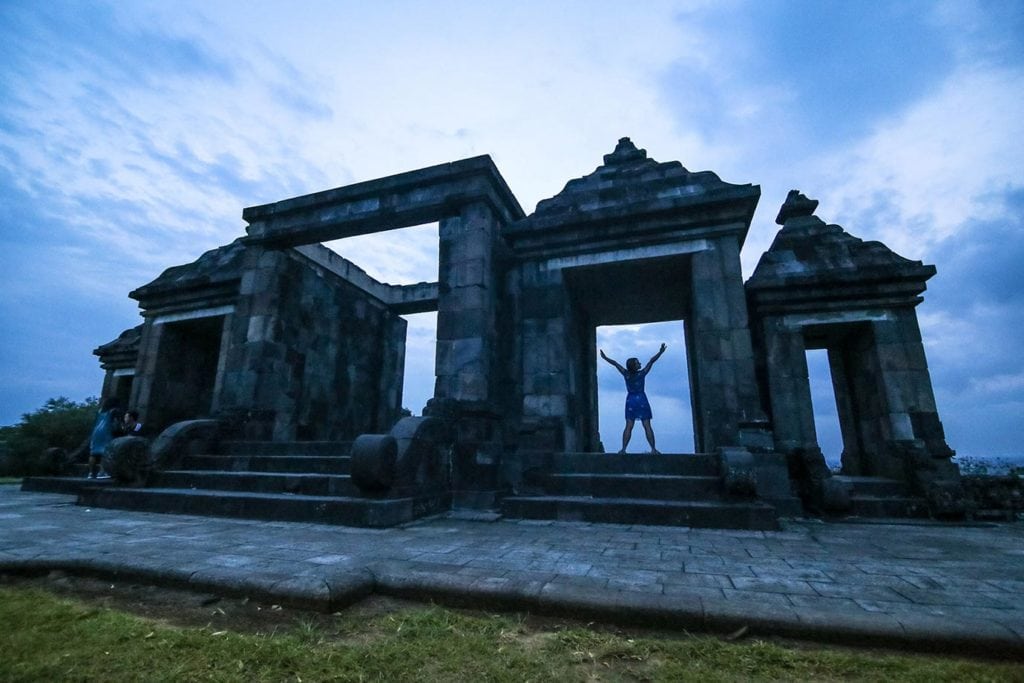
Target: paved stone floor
(919, 586)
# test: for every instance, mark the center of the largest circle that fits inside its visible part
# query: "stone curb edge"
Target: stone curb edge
(337, 589)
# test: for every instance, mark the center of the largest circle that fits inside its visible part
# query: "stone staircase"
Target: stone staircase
(295, 481)
(666, 490)
(310, 482)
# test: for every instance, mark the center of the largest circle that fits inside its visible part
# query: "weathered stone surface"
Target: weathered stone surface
(819, 287)
(281, 339)
(424, 452)
(127, 460)
(373, 462)
(192, 437)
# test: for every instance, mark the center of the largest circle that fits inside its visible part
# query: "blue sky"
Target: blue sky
(133, 134)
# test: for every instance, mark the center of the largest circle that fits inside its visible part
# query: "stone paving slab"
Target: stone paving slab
(953, 589)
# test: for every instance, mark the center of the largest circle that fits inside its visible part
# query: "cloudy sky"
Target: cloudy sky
(133, 134)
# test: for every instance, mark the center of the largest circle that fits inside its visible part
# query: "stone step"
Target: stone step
(651, 486)
(287, 448)
(363, 512)
(873, 486)
(703, 514)
(259, 482)
(69, 485)
(682, 464)
(311, 464)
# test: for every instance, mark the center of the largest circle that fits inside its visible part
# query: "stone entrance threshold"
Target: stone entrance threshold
(949, 589)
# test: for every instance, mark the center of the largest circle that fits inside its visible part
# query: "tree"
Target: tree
(60, 423)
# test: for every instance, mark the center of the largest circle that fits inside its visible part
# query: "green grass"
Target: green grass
(10, 480)
(44, 638)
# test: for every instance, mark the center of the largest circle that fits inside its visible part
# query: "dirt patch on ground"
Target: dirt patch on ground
(191, 609)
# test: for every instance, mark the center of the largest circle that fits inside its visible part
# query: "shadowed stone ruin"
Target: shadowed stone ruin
(298, 355)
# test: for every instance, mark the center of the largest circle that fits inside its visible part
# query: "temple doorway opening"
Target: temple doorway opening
(667, 386)
(826, 414)
(420, 357)
(121, 388)
(189, 353)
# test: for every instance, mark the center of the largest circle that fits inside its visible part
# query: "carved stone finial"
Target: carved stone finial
(624, 152)
(796, 204)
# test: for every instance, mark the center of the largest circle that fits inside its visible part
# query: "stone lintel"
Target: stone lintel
(801, 320)
(661, 221)
(398, 201)
(197, 296)
(192, 315)
(626, 254)
(779, 306)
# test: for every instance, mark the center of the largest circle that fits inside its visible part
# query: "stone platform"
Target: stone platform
(954, 589)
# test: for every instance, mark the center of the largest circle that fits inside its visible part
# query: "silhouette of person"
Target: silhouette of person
(637, 405)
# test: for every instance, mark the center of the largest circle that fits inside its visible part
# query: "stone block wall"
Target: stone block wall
(311, 356)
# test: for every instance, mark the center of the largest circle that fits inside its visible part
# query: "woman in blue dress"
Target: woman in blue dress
(637, 405)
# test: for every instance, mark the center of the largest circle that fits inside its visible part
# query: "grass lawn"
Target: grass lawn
(45, 637)
(10, 480)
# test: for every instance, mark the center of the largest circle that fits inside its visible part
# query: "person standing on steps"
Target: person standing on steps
(105, 429)
(637, 405)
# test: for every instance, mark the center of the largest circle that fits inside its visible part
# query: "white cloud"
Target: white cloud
(998, 384)
(923, 175)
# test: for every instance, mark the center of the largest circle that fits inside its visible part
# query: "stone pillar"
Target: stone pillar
(254, 384)
(723, 357)
(392, 371)
(222, 360)
(467, 390)
(145, 372)
(544, 331)
(789, 387)
(907, 410)
(466, 307)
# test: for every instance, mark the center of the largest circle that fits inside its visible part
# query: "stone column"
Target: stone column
(222, 359)
(789, 387)
(392, 371)
(467, 390)
(466, 307)
(544, 331)
(907, 410)
(723, 357)
(145, 373)
(255, 388)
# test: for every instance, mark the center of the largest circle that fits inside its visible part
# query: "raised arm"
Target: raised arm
(609, 360)
(655, 357)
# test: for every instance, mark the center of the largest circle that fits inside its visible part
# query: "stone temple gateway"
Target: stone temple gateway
(275, 365)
